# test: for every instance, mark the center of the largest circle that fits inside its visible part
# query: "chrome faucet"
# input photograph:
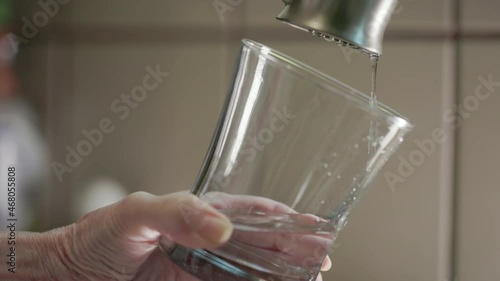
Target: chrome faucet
(356, 23)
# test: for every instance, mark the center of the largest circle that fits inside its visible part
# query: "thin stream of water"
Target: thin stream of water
(372, 137)
(374, 64)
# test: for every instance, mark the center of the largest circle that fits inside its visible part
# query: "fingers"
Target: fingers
(298, 248)
(181, 217)
(246, 203)
(299, 245)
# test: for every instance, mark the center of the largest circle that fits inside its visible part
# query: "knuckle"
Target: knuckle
(138, 196)
(188, 199)
(134, 200)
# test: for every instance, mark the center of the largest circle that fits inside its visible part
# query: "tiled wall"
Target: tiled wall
(478, 191)
(92, 52)
(478, 209)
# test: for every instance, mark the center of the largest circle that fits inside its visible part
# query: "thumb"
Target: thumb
(180, 217)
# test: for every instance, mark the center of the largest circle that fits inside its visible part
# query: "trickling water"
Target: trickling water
(374, 63)
(372, 136)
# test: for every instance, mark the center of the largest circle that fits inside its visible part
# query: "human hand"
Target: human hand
(271, 235)
(121, 241)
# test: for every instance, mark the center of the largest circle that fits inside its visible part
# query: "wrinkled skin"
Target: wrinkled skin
(121, 241)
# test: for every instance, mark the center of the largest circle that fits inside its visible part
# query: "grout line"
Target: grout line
(447, 189)
(212, 34)
(50, 115)
(457, 13)
(60, 65)
(447, 156)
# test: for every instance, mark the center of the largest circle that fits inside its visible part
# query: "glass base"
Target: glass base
(209, 267)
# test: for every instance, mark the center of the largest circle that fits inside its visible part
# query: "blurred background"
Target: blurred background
(73, 61)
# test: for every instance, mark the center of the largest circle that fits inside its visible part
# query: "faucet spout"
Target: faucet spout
(356, 23)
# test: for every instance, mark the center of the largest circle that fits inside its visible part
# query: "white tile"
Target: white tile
(131, 13)
(479, 195)
(480, 15)
(393, 234)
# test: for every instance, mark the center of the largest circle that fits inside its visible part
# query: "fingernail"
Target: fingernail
(327, 264)
(216, 229)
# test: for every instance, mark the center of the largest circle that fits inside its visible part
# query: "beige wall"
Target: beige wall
(93, 51)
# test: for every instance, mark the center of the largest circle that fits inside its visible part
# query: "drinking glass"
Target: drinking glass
(291, 154)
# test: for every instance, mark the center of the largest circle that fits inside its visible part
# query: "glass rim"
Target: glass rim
(350, 92)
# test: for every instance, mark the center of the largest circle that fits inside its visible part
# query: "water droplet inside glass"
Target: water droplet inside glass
(343, 221)
(334, 154)
(329, 174)
(322, 201)
(339, 177)
(356, 145)
(374, 143)
(401, 139)
(325, 165)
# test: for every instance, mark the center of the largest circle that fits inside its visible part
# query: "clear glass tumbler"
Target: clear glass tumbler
(291, 153)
